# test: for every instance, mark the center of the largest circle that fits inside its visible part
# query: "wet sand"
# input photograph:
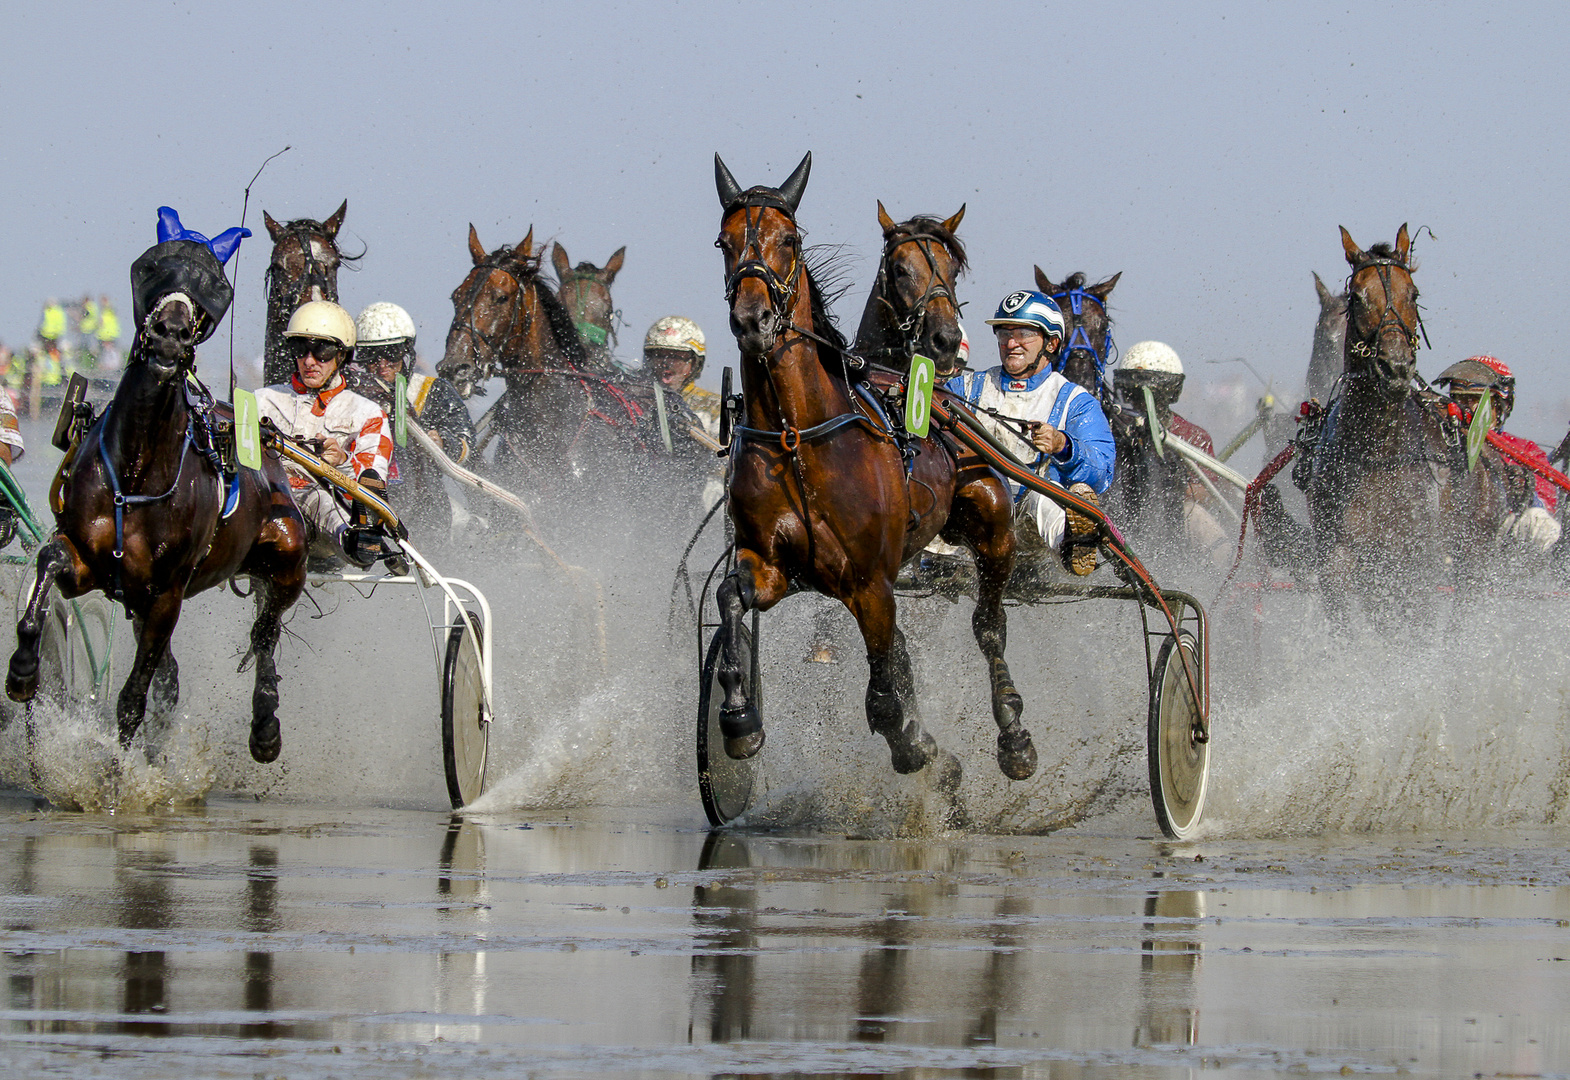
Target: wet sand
(271, 939)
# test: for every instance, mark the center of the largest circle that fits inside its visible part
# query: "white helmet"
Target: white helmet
(322, 319)
(384, 324)
(675, 332)
(1152, 356)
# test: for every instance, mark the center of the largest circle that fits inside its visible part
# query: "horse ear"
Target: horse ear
(953, 223)
(885, 222)
(1104, 290)
(796, 183)
(725, 183)
(476, 249)
(613, 264)
(273, 228)
(560, 261)
(1403, 244)
(1354, 254)
(335, 221)
(1325, 296)
(1044, 283)
(525, 246)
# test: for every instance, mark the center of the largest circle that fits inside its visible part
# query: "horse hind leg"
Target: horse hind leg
(152, 648)
(266, 733)
(57, 561)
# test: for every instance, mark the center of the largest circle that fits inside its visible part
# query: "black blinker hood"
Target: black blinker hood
(181, 266)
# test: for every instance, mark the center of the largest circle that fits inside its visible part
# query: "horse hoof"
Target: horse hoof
(947, 773)
(912, 754)
(1016, 754)
(266, 740)
(744, 746)
(21, 680)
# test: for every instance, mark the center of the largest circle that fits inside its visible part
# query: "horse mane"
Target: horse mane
(1076, 280)
(922, 225)
(1383, 250)
(344, 258)
(828, 278)
(562, 327)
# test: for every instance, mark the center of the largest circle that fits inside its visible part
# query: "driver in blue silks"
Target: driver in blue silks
(1068, 430)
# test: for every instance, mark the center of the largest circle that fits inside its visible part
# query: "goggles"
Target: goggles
(324, 349)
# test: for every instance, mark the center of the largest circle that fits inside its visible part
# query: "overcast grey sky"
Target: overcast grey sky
(1206, 150)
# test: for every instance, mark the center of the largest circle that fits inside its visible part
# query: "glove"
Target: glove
(1534, 526)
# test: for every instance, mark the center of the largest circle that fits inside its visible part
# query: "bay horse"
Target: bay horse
(304, 266)
(1088, 349)
(819, 495)
(911, 308)
(559, 417)
(1393, 508)
(586, 290)
(141, 513)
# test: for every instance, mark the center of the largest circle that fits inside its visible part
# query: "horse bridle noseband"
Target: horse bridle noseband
(1369, 348)
(915, 320)
(781, 290)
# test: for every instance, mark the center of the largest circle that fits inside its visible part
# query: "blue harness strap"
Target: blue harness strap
(121, 500)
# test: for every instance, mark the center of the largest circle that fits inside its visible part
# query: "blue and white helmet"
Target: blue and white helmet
(1030, 308)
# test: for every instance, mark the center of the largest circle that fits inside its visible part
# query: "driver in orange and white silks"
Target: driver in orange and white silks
(317, 408)
(1068, 430)
(1467, 381)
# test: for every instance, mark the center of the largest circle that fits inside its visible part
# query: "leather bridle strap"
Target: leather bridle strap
(494, 348)
(1076, 298)
(915, 319)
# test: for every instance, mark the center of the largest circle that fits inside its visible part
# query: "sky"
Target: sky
(1206, 150)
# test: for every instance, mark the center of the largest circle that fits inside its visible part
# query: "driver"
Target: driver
(316, 407)
(1467, 381)
(688, 415)
(1067, 428)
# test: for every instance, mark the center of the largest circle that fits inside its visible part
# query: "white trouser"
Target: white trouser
(1207, 536)
(1049, 517)
(324, 516)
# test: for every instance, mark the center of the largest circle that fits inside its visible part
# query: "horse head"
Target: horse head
(764, 264)
(912, 304)
(586, 290)
(167, 338)
(1087, 343)
(1383, 323)
(1327, 358)
(493, 310)
(179, 294)
(305, 259)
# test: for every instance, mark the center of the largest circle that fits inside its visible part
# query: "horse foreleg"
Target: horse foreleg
(57, 561)
(266, 734)
(750, 585)
(891, 684)
(986, 525)
(152, 645)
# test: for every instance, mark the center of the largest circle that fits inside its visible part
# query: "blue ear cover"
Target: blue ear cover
(222, 246)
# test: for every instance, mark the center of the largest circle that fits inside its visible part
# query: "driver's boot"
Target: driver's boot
(361, 540)
(1080, 534)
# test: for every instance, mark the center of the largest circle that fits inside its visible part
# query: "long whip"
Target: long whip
(234, 282)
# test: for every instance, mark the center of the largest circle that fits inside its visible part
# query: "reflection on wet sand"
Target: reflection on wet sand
(1168, 966)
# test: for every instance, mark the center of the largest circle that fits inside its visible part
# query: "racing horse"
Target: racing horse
(559, 417)
(1328, 356)
(1393, 508)
(586, 290)
(144, 514)
(1087, 346)
(911, 308)
(819, 495)
(304, 266)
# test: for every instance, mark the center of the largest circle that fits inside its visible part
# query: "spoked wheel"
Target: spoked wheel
(466, 731)
(73, 652)
(1179, 764)
(727, 787)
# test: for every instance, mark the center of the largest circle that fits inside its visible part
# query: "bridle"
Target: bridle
(591, 332)
(315, 276)
(519, 319)
(1370, 348)
(781, 290)
(1079, 341)
(914, 322)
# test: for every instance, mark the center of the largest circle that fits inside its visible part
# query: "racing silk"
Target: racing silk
(1089, 455)
(333, 412)
(1547, 494)
(435, 403)
(705, 405)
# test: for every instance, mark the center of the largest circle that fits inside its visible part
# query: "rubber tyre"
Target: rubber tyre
(466, 734)
(727, 787)
(1179, 766)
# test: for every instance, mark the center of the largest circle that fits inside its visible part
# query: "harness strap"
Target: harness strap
(121, 500)
(791, 438)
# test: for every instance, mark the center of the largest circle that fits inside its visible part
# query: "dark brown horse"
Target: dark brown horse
(912, 308)
(141, 515)
(586, 290)
(819, 495)
(1087, 343)
(304, 267)
(560, 417)
(1393, 508)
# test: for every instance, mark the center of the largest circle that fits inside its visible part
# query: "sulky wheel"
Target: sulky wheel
(727, 787)
(1179, 764)
(465, 730)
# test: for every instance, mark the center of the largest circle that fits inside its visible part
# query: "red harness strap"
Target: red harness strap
(1547, 472)
(1251, 503)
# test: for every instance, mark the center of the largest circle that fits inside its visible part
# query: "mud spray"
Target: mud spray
(1447, 726)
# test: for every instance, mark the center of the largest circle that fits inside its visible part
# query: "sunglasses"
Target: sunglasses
(327, 352)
